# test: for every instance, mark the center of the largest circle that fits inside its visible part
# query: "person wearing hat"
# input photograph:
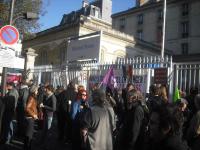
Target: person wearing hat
(31, 116)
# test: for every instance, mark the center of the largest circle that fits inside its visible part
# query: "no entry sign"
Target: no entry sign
(9, 35)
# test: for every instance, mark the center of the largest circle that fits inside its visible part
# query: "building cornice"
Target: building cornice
(108, 31)
(146, 7)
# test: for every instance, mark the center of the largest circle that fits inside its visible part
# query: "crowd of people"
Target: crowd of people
(101, 119)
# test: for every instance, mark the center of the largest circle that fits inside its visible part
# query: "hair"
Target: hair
(79, 94)
(163, 93)
(99, 97)
(50, 88)
(32, 90)
(80, 87)
(154, 90)
(193, 90)
(169, 118)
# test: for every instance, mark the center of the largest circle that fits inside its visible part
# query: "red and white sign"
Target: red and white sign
(9, 35)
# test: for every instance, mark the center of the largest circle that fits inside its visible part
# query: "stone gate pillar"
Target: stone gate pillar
(29, 62)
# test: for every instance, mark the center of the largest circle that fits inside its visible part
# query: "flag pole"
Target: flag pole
(163, 30)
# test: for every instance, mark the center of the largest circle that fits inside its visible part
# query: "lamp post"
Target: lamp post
(11, 11)
(164, 26)
(26, 15)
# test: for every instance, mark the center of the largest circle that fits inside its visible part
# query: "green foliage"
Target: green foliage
(25, 27)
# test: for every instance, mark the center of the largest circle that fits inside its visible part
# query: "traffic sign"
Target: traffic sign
(9, 35)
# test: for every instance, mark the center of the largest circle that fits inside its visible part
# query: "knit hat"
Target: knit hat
(33, 88)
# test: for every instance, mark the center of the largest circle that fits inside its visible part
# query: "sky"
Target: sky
(55, 9)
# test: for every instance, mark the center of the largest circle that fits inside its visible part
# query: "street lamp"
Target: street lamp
(27, 15)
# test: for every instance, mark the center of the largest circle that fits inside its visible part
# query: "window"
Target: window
(184, 47)
(160, 15)
(159, 34)
(185, 29)
(43, 58)
(140, 34)
(122, 23)
(140, 19)
(185, 9)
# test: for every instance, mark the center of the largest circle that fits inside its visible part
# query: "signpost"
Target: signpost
(160, 76)
(9, 35)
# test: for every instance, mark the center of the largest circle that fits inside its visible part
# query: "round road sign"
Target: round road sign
(9, 34)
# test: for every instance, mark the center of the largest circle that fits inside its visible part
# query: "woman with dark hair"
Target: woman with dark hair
(130, 134)
(164, 129)
(31, 116)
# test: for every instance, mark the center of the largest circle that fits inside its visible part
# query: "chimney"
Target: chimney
(85, 3)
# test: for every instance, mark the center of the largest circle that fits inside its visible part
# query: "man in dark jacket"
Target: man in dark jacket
(49, 107)
(10, 103)
(63, 108)
(21, 105)
(98, 124)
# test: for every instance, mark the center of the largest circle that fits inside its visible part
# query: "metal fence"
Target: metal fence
(187, 75)
(88, 73)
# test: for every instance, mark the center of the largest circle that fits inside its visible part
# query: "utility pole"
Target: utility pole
(163, 30)
(12, 4)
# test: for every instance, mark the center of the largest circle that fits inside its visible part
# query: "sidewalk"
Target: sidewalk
(53, 143)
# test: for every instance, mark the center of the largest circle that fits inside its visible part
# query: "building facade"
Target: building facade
(52, 44)
(145, 22)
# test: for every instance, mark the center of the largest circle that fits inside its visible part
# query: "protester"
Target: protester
(190, 98)
(163, 130)
(49, 107)
(10, 103)
(64, 122)
(79, 107)
(124, 94)
(129, 134)
(21, 105)
(193, 133)
(98, 124)
(154, 99)
(31, 116)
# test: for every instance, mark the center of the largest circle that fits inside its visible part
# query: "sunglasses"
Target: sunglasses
(83, 94)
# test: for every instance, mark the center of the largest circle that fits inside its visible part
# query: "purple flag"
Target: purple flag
(109, 79)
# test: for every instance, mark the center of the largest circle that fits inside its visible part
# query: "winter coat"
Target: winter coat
(193, 132)
(49, 105)
(130, 131)
(100, 122)
(31, 108)
(171, 142)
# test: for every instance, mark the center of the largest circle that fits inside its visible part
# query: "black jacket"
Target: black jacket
(171, 142)
(128, 136)
(50, 105)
